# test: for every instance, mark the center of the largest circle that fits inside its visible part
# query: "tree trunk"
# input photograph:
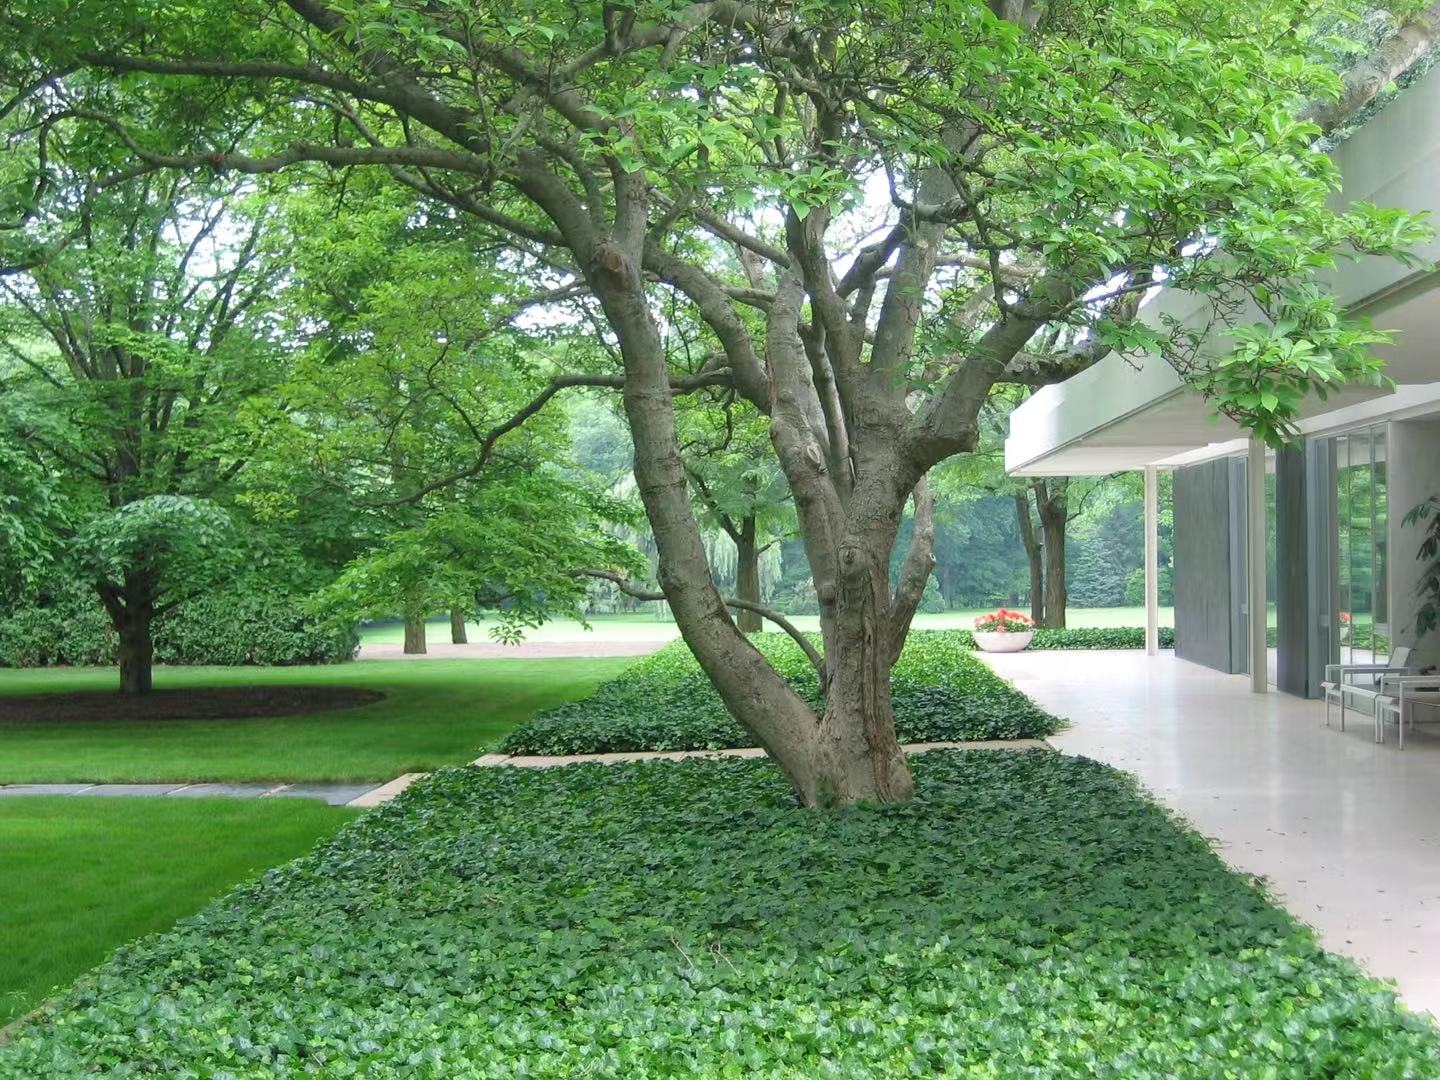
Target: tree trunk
(136, 653)
(457, 627)
(1033, 555)
(132, 613)
(747, 576)
(753, 692)
(1052, 499)
(414, 633)
(859, 757)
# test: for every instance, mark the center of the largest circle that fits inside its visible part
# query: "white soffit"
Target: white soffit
(1125, 415)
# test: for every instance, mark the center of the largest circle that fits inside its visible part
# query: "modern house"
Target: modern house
(1284, 562)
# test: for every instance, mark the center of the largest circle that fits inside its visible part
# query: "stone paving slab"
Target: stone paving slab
(334, 794)
(385, 792)
(129, 789)
(536, 761)
(43, 789)
(234, 791)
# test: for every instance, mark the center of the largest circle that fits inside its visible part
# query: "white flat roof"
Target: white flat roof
(1125, 414)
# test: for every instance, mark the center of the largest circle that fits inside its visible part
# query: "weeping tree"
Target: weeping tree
(924, 204)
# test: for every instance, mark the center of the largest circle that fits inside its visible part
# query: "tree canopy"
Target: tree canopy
(877, 212)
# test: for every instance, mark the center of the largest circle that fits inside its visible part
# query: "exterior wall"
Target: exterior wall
(1205, 608)
(1413, 476)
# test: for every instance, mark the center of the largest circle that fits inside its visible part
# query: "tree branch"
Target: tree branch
(629, 588)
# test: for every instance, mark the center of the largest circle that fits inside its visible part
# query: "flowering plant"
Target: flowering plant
(1345, 616)
(1004, 622)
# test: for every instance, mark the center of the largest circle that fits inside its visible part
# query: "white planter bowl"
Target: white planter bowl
(1003, 640)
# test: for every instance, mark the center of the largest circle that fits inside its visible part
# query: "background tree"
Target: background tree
(403, 404)
(130, 349)
(872, 171)
(740, 489)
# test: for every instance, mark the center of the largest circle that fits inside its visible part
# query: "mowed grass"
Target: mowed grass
(436, 712)
(646, 626)
(79, 876)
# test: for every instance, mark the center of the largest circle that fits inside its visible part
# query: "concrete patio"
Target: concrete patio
(1347, 833)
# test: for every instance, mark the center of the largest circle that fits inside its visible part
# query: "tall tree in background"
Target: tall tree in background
(405, 403)
(740, 489)
(132, 344)
(875, 169)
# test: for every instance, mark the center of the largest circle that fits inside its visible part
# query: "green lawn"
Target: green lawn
(645, 626)
(1027, 915)
(437, 712)
(79, 876)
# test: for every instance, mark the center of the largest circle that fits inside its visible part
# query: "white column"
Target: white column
(1152, 561)
(1255, 559)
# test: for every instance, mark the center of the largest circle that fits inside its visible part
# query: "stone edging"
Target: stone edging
(537, 761)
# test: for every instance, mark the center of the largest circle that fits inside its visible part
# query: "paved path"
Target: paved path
(526, 650)
(1346, 833)
(334, 794)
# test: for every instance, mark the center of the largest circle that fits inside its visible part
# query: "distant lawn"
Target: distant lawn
(646, 626)
(436, 712)
(80, 876)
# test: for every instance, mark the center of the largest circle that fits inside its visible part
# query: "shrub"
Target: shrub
(231, 628)
(1099, 637)
(236, 628)
(71, 629)
(665, 702)
(1026, 915)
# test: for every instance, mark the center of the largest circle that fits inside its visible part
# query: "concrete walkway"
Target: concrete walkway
(526, 650)
(334, 794)
(1346, 832)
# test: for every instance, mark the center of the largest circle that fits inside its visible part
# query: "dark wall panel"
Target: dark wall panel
(1292, 573)
(1204, 615)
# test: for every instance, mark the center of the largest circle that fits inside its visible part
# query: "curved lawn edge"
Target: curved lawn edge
(1031, 912)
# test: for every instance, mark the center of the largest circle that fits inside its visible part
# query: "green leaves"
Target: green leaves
(1426, 518)
(1028, 915)
(188, 542)
(665, 702)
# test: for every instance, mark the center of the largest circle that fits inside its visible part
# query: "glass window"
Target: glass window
(1360, 622)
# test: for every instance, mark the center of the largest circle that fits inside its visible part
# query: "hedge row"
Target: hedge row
(230, 628)
(1027, 915)
(1095, 637)
(941, 692)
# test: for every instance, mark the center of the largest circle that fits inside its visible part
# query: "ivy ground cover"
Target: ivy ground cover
(941, 692)
(1026, 915)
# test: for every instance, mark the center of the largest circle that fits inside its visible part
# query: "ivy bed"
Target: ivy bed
(941, 693)
(1027, 915)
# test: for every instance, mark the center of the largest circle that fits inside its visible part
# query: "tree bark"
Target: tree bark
(1033, 555)
(747, 576)
(132, 614)
(457, 627)
(414, 633)
(1052, 499)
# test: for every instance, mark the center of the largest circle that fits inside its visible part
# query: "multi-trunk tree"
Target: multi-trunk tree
(988, 173)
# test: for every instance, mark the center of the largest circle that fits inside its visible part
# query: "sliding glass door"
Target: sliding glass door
(1359, 608)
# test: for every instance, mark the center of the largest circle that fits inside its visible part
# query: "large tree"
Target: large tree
(918, 196)
(136, 332)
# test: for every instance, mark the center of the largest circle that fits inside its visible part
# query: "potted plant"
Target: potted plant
(1344, 626)
(1003, 631)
